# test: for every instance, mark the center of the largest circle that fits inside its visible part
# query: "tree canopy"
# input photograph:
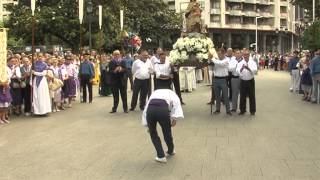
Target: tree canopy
(307, 4)
(57, 22)
(311, 37)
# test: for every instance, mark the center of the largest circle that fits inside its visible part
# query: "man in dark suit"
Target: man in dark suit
(118, 81)
(176, 81)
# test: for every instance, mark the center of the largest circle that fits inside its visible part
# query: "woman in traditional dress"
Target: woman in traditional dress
(5, 98)
(56, 94)
(41, 95)
(70, 86)
(15, 85)
(96, 65)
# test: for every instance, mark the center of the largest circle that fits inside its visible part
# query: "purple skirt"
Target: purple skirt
(70, 88)
(5, 96)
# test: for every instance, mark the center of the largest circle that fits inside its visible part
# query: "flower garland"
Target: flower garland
(199, 46)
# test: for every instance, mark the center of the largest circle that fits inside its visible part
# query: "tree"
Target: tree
(311, 37)
(57, 19)
(307, 4)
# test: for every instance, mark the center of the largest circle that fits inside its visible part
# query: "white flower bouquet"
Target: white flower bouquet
(200, 47)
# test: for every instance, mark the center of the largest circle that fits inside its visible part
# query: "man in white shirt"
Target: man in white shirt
(164, 108)
(247, 69)
(141, 70)
(163, 73)
(229, 56)
(235, 80)
(220, 81)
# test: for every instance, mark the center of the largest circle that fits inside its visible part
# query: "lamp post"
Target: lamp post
(257, 33)
(89, 11)
(293, 32)
(33, 8)
(80, 21)
(100, 26)
(313, 10)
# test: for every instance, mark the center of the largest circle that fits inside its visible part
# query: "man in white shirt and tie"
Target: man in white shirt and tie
(221, 73)
(235, 80)
(163, 73)
(247, 68)
(163, 107)
(230, 57)
(141, 70)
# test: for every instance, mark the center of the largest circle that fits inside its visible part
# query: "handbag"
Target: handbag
(55, 84)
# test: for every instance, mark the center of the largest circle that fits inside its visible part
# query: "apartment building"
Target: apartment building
(233, 23)
(3, 12)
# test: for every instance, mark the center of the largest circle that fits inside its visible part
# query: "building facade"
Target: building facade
(234, 23)
(3, 12)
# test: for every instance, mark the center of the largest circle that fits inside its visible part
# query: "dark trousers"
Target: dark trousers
(130, 77)
(247, 89)
(176, 84)
(160, 115)
(85, 82)
(229, 85)
(213, 96)
(26, 97)
(123, 92)
(162, 84)
(142, 87)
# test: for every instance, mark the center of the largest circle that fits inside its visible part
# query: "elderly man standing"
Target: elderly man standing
(141, 70)
(315, 73)
(294, 72)
(118, 81)
(163, 73)
(220, 81)
(247, 68)
(235, 80)
(229, 56)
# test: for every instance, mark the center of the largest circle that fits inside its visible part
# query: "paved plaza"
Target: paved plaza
(282, 142)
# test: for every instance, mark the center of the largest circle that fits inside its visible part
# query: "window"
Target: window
(215, 18)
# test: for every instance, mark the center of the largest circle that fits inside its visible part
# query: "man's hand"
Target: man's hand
(173, 123)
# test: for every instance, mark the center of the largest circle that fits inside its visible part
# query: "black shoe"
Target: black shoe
(126, 111)
(217, 112)
(241, 113)
(131, 109)
(252, 113)
(183, 103)
(113, 111)
(229, 113)
(142, 109)
(210, 103)
(233, 110)
(90, 102)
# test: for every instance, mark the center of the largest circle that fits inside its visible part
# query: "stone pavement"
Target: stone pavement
(282, 142)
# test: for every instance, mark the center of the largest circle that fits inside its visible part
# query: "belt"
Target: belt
(220, 77)
(234, 76)
(158, 103)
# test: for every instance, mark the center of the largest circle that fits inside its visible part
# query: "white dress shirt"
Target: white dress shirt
(172, 100)
(246, 74)
(142, 70)
(162, 69)
(233, 66)
(220, 68)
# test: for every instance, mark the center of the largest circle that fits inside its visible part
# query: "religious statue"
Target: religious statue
(193, 18)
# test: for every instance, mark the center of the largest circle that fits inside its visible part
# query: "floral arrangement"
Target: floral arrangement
(198, 46)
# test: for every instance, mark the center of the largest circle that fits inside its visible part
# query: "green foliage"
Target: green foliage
(57, 22)
(307, 4)
(311, 37)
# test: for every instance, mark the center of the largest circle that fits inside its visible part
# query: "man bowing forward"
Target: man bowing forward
(164, 108)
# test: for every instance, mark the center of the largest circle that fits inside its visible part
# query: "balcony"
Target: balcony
(284, 15)
(215, 11)
(249, 1)
(250, 13)
(265, 27)
(215, 25)
(249, 26)
(235, 25)
(237, 1)
(235, 12)
(265, 2)
(266, 14)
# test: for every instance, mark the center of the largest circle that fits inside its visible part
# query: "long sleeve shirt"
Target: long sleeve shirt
(172, 100)
(142, 70)
(233, 66)
(293, 63)
(162, 69)
(220, 68)
(245, 74)
(86, 68)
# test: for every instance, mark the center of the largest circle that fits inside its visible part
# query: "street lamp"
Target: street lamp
(258, 17)
(89, 11)
(293, 32)
(313, 10)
